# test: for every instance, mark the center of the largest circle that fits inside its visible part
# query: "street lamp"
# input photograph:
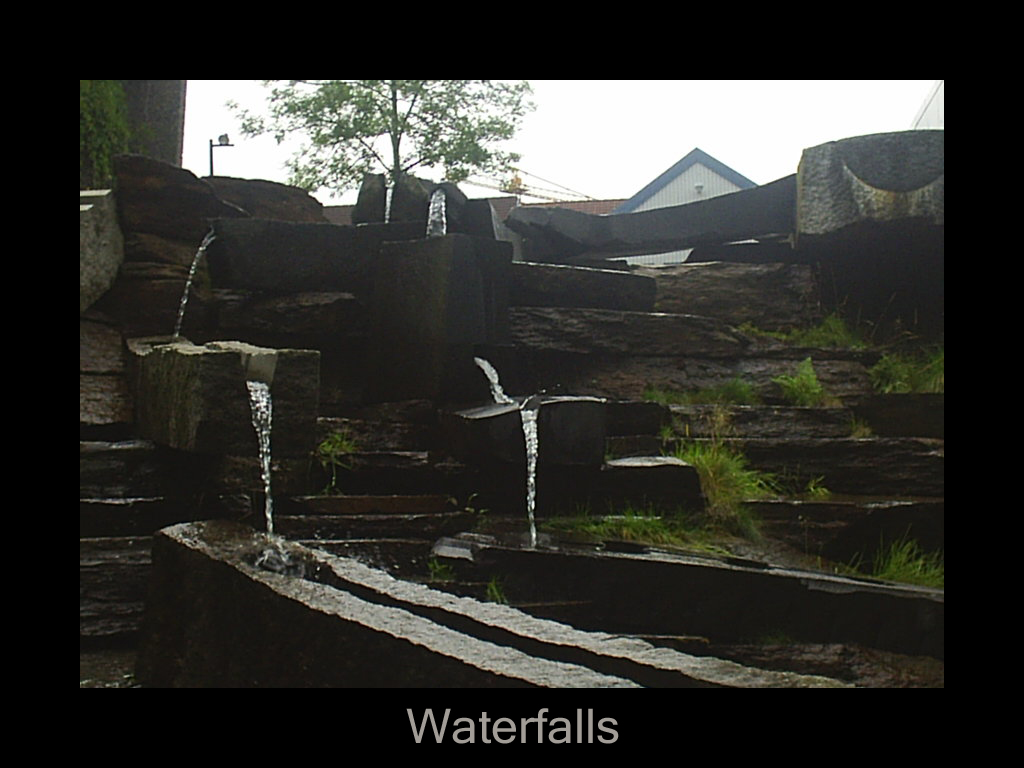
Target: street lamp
(222, 141)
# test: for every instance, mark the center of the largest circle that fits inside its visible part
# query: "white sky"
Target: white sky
(609, 138)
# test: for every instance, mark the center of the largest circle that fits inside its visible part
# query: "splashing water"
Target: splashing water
(437, 224)
(262, 416)
(210, 236)
(389, 193)
(492, 376)
(528, 413)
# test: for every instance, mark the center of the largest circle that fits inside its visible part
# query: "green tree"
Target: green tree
(354, 127)
(103, 130)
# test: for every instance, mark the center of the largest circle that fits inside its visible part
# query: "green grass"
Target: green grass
(803, 388)
(904, 561)
(728, 481)
(495, 592)
(332, 453)
(831, 332)
(440, 572)
(924, 371)
(736, 391)
(642, 526)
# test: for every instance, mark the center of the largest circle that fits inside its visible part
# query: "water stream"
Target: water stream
(188, 282)
(262, 416)
(528, 413)
(437, 224)
(389, 193)
(492, 376)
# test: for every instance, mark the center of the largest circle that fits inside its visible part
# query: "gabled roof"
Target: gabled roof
(694, 157)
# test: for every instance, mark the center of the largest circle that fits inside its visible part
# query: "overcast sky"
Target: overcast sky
(609, 138)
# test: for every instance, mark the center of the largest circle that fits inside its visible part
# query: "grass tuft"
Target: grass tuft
(906, 562)
(924, 371)
(803, 388)
(831, 332)
(727, 481)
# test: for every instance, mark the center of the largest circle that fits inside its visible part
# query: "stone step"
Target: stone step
(204, 590)
(890, 466)
(773, 297)
(852, 529)
(426, 527)
(770, 421)
(393, 633)
(113, 574)
(726, 600)
(123, 468)
(131, 516)
(556, 285)
(387, 473)
(250, 254)
(340, 506)
(402, 558)
(623, 366)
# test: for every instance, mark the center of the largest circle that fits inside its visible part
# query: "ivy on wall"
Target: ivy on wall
(104, 131)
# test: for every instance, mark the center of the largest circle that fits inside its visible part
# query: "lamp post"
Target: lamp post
(222, 141)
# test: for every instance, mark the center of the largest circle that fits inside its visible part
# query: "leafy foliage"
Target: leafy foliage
(803, 388)
(103, 130)
(331, 453)
(916, 372)
(355, 127)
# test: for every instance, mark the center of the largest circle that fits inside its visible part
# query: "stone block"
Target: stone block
(268, 199)
(213, 619)
(435, 300)
(871, 184)
(570, 432)
(296, 257)
(774, 297)
(100, 245)
(630, 334)
(557, 285)
(661, 481)
(194, 398)
(157, 198)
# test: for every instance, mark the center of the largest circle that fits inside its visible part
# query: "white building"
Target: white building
(698, 176)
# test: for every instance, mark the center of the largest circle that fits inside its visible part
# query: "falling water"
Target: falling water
(262, 415)
(188, 282)
(437, 224)
(528, 413)
(492, 376)
(389, 193)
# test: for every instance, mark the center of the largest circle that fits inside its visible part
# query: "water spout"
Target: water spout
(389, 193)
(188, 282)
(492, 376)
(262, 416)
(528, 413)
(437, 224)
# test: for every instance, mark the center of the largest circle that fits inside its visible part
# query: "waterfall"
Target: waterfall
(492, 376)
(389, 193)
(528, 412)
(188, 282)
(437, 224)
(262, 416)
